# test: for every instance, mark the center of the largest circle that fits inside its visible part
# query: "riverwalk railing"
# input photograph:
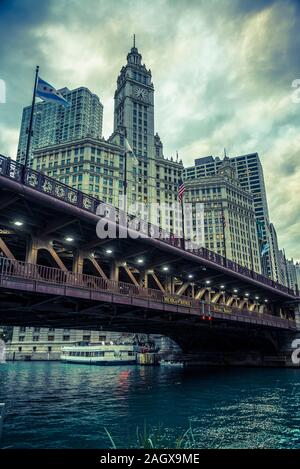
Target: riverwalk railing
(50, 186)
(19, 270)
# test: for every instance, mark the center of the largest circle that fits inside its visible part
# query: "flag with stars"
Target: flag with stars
(181, 190)
(47, 92)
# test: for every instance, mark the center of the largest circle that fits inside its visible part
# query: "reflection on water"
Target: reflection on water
(54, 405)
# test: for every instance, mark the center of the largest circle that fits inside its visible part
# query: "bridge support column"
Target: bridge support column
(78, 259)
(32, 248)
(114, 271)
(144, 279)
(169, 285)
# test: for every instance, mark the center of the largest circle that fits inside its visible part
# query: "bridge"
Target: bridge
(56, 272)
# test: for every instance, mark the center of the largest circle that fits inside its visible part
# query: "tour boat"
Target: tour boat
(103, 353)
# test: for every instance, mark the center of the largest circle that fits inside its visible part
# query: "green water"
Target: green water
(55, 405)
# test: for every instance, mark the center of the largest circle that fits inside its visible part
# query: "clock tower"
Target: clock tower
(134, 104)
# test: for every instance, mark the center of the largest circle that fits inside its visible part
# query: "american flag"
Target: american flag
(181, 190)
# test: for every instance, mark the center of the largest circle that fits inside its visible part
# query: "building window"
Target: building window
(50, 338)
(66, 338)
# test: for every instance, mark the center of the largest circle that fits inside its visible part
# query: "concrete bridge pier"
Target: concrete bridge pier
(291, 346)
(257, 348)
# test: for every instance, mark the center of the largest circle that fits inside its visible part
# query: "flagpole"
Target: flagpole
(286, 270)
(224, 236)
(250, 246)
(183, 231)
(125, 171)
(263, 264)
(30, 123)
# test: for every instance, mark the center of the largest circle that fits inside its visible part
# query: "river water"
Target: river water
(57, 405)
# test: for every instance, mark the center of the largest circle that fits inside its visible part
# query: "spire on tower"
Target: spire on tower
(134, 57)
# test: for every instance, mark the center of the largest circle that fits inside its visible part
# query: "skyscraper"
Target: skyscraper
(53, 124)
(134, 104)
(278, 271)
(229, 217)
(250, 174)
(154, 179)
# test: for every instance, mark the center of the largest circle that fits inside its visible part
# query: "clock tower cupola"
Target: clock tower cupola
(134, 104)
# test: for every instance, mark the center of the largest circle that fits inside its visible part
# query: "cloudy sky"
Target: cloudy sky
(222, 70)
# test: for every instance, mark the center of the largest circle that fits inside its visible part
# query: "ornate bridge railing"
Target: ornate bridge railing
(42, 183)
(13, 269)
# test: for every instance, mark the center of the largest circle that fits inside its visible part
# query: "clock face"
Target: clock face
(141, 94)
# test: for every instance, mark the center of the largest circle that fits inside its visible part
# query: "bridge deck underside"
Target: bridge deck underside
(49, 306)
(47, 218)
(37, 302)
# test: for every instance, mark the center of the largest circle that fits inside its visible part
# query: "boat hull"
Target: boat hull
(102, 363)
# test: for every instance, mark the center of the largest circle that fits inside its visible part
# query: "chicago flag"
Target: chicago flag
(47, 92)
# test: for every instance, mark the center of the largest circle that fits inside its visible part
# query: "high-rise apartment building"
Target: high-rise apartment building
(229, 217)
(297, 267)
(292, 275)
(54, 124)
(249, 172)
(278, 264)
